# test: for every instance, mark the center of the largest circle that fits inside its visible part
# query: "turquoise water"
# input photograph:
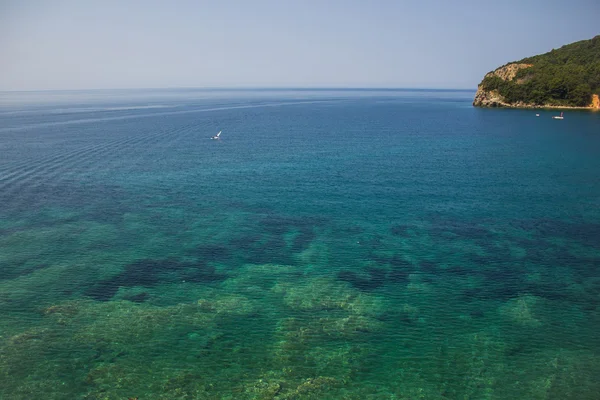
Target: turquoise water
(349, 244)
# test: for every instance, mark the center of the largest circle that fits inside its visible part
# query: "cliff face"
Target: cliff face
(491, 98)
(567, 77)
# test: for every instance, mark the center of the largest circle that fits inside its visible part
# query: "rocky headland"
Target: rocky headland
(568, 77)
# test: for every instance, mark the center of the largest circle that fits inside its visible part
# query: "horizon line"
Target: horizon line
(243, 88)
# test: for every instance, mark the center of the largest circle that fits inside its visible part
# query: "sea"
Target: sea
(332, 244)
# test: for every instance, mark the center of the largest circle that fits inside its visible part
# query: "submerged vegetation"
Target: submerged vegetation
(401, 321)
(567, 76)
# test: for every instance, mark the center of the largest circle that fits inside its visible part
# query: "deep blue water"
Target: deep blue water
(352, 244)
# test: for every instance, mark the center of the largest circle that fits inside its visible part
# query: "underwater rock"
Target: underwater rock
(311, 388)
(103, 291)
(137, 298)
(253, 280)
(262, 249)
(410, 313)
(417, 285)
(279, 224)
(263, 389)
(375, 277)
(399, 262)
(15, 270)
(560, 374)
(460, 228)
(64, 309)
(348, 326)
(322, 294)
(303, 332)
(428, 267)
(459, 271)
(398, 275)
(143, 322)
(587, 233)
(521, 310)
(333, 344)
(316, 253)
(228, 304)
(35, 334)
(314, 294)
(278, 240)
(149, 273)
(117, 381)
(211, 252)
(302, 240)
(400, 230)
(397, 272)
(280, 389)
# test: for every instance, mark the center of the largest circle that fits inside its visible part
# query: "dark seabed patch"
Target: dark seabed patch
(150, 273)
(211, 252)
(13, 270)
(371, 279)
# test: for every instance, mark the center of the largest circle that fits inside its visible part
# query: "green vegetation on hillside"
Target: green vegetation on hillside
(567, 76)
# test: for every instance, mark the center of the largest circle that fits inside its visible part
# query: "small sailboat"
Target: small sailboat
(217, 136)
(558, 116)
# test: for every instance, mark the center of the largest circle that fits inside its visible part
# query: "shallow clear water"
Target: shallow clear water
(334, 244)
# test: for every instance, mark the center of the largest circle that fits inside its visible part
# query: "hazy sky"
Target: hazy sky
(78, 44)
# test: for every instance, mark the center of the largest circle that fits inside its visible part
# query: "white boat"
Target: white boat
(559, 116)
(537, 115)
(216, 137)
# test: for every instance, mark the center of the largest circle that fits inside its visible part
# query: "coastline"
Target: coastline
(536, 107)
(492, 99)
